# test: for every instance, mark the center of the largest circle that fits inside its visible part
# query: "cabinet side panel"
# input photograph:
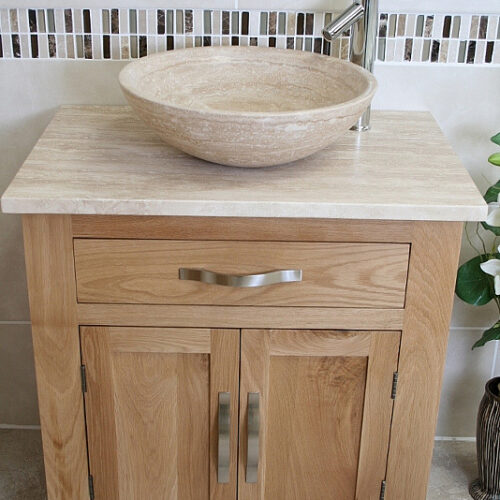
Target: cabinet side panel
(52, 294)
(431, 280)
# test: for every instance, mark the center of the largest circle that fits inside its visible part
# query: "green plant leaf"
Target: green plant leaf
(491, 196)
(492, 333)
(496, 139)
(473, 285)
(494, 159)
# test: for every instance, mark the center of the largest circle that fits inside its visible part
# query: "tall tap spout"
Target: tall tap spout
(343, 22)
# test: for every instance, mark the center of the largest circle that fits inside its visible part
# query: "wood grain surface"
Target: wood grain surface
(152, 411)
(333, 274)
(51, 285)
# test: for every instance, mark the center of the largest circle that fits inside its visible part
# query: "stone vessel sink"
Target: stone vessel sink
(247, 106)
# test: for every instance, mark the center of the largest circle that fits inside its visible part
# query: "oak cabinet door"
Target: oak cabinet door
(315, 413)
(151, 403)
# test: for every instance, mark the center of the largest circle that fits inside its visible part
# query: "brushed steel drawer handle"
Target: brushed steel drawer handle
(241, 281)
(224, 424)
(253, 427)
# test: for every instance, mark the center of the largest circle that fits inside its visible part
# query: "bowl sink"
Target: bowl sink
(247, 106)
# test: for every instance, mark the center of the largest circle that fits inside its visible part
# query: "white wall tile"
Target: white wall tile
(17, 376)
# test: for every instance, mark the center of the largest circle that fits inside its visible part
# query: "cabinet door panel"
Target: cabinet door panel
(151, 410)
(325, 411)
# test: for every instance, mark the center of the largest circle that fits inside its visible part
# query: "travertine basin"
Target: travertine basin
(247, 106)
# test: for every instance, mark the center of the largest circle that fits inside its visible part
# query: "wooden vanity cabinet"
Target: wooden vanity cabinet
(155, 388)
(315, 406)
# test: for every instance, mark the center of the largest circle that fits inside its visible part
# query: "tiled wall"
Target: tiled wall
(131, 33)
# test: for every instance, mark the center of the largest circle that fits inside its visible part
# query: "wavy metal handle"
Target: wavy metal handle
(241, 281)
(253, 427)
(224, 434)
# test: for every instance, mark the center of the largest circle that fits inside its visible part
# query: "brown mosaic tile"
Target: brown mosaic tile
(488, 57)
(446, 27)
(245, 21)
(32, 20)
(309, 24)
(143, 46)
(34, 46)
(160, 22)
(100, 33)
(471, 52)
(429, 22)
(408, 49)
(87, 27)
(188, 20)
(115, 22)
(300, 23)
(382, 27)
(16, 46)
(435, 51)
(225, 22)
(52, 46)
(273, 18)
(483, 27)
(87, 46)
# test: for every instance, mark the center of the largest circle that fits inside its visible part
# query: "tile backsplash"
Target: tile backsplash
(122, 34)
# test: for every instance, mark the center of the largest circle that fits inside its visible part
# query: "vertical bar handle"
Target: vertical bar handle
(224, 426)
(253, 427)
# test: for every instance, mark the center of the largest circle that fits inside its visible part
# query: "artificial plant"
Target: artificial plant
(478, 280)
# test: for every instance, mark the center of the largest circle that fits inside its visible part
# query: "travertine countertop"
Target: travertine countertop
(103, 160)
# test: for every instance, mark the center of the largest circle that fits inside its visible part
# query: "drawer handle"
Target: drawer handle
(253, 438)
(224, 423)
(241, 281)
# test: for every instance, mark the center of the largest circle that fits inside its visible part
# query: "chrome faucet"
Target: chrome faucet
(362, 18)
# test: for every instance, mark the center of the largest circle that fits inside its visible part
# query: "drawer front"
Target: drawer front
(369, 275)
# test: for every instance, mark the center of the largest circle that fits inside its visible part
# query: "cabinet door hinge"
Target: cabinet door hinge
(91, 487)
(83, 374)
(394, 385)
(382, 490)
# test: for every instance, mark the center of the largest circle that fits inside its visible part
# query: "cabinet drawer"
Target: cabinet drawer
(333, 274)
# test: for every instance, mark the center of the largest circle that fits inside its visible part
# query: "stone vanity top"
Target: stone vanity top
(103, 160)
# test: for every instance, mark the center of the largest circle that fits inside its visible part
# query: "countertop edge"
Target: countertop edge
(179, 208)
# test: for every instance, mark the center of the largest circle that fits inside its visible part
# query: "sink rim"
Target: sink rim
(127, 86)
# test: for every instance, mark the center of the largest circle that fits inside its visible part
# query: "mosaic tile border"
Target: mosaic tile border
(123, 34)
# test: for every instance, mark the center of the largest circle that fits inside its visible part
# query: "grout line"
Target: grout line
(20, 427)
(455, 438)
(495, 357)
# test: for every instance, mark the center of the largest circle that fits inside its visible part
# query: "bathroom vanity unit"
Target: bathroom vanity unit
(159, 381)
